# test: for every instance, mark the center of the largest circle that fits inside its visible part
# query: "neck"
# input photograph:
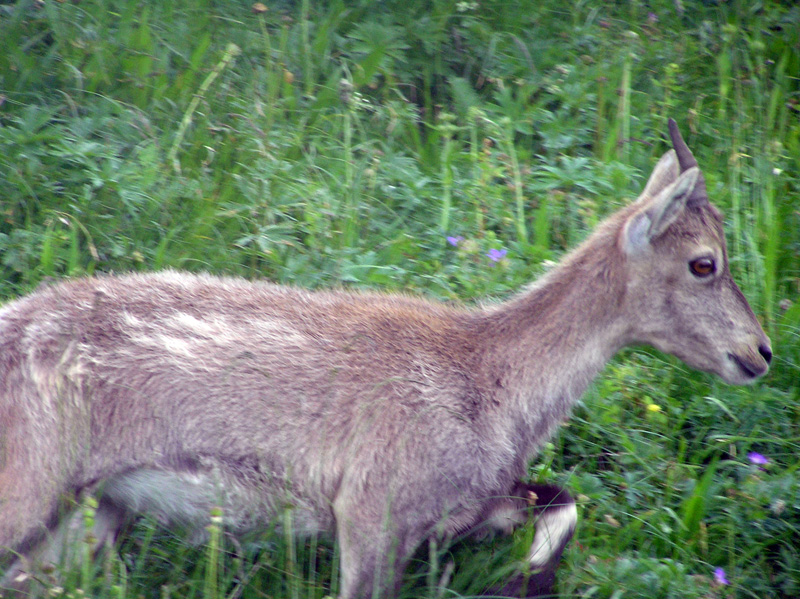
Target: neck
(547, 344)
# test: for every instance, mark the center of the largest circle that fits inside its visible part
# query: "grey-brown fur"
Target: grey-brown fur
(384, 418)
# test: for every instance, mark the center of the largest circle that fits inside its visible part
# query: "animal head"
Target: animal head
(682, 298)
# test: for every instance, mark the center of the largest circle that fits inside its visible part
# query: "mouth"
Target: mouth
(749, 369)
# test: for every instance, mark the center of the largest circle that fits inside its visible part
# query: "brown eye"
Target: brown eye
(702, 267)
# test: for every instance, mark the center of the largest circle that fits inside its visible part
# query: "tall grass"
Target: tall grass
(341, 143)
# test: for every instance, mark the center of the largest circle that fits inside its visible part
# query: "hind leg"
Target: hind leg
(27, 499)
(33, 489)
(555, 516)
(85, 530)
(31, 484)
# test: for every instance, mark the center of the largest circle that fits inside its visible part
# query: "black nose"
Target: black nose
(765, 352)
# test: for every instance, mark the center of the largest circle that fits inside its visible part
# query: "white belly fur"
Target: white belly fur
(186, 499)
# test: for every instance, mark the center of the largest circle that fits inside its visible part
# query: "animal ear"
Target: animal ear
(658, 213)
(664, 173)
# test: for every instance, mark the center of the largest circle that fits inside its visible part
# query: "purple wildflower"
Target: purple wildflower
(454, 241)
(757, 458)
(496, 255)
(719, 576)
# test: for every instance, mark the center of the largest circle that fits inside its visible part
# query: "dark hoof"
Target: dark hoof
(536, 584)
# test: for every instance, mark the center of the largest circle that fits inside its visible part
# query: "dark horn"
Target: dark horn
(685, 158)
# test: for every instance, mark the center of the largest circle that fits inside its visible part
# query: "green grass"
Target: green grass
(339, 144)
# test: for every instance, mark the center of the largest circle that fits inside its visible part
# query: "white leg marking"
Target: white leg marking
(553, 529)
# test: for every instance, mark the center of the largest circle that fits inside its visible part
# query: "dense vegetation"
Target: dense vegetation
(336, 143)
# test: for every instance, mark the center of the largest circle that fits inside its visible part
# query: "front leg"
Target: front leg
(373, 551)
(555, 515)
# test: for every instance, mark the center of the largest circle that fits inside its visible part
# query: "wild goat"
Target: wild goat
(384, 418)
